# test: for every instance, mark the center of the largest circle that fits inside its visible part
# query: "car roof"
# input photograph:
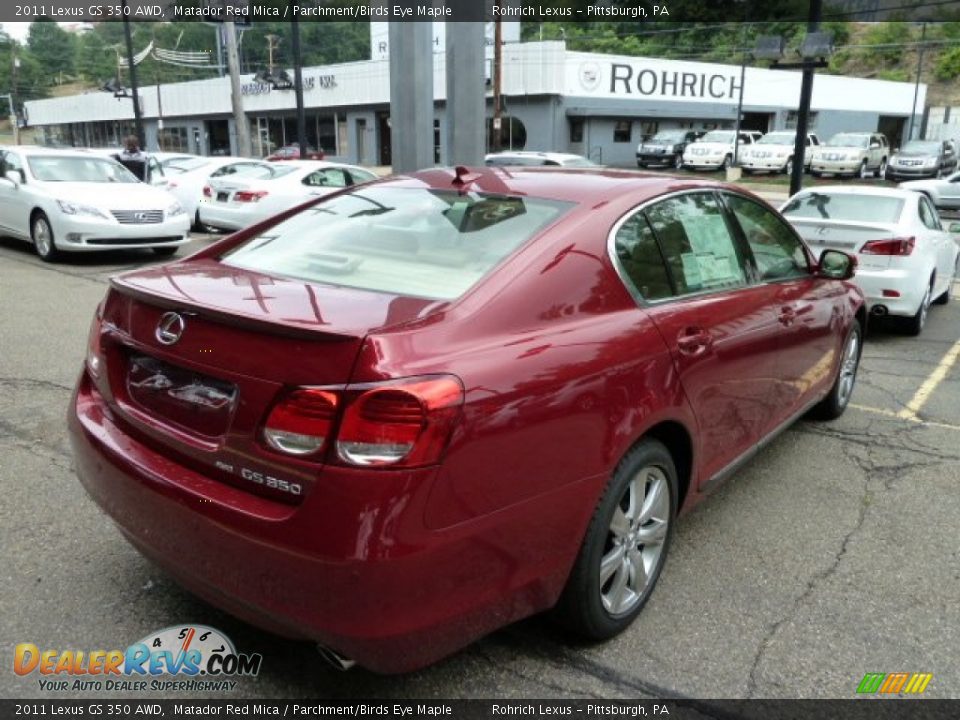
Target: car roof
(533, 153)
(575, 185)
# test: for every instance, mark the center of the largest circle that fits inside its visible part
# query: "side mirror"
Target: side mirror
(954, 228)
(14, 176)
(836, 265)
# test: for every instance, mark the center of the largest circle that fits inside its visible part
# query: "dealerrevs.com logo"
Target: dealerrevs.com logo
(183, 657)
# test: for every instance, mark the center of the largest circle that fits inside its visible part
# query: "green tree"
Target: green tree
(53, 49)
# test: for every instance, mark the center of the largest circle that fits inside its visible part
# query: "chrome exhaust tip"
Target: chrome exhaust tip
(335, 659)
(878, 310)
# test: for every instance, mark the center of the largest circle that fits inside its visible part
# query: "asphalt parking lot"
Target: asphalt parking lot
(834, 553)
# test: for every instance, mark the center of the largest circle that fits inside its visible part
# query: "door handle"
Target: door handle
(693, 341)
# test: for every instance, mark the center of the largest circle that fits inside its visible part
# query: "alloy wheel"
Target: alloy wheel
(848, 369)
(864, 173)
(635, 541)
(42, 236)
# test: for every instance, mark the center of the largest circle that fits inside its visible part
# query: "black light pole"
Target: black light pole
(298, 86)
(803, 114)
(137, 119)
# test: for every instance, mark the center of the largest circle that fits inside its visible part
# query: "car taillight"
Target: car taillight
(94, 349)
(895, 246)
(249, 195)
(207, 191)
(406, 423)
(301, 422)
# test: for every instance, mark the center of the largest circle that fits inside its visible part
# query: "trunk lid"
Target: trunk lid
(198, 352)
(844, 235)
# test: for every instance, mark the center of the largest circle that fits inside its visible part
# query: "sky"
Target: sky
(17, 30)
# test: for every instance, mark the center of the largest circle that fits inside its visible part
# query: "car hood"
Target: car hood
(715, 146)
(110, 196)
(840, 149)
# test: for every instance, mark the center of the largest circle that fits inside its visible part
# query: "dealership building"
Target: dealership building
(555, 99)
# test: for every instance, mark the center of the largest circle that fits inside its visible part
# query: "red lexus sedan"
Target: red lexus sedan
(399, 417)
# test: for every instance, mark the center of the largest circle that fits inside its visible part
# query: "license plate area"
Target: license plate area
(191, 400)
(222, 196)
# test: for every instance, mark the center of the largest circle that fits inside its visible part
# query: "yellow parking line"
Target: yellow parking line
(930, 384)
(901, 416)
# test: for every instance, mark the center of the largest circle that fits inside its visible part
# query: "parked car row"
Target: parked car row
(85, 201)
(845, 154)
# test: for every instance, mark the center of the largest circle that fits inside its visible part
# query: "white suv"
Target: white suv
(852, 154)
(715, 149)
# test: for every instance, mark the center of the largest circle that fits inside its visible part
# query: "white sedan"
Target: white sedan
(186, 178)
(906, 259)
(233, 203)
(74, 201)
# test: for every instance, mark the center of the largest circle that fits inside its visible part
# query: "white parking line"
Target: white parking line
(930, 384)
(900, 416)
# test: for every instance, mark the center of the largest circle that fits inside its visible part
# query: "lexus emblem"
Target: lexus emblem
(170, 328)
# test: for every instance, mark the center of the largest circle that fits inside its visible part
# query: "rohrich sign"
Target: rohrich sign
(659, 79)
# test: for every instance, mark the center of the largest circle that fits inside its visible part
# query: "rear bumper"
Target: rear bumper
(352, 566)
(907, 283)
(222, 215)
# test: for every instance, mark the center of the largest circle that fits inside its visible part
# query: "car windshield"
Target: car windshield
(860, 207)
(670, 136)
(416, 242)
(718, 136)
(849, 140)
(918, 146)
(777, 138)
(61, 168)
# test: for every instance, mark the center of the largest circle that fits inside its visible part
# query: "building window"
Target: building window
(621, 131)
(173, 139)
(513, 133)
(648, 128)
(576, 130)
(792, 120)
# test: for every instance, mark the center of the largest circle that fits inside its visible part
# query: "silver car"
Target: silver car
(945, 193)
(923, 158)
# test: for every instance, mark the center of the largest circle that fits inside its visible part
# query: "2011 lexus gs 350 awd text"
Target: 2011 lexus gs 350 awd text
(396, 418)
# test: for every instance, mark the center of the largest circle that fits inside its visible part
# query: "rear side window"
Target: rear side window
(861, 207)
(640, 258)
(404, 241)
(928, 215)
(778, 252)
(696, 243)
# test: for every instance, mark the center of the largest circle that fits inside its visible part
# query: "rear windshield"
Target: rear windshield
(844, 206)
(405, 241)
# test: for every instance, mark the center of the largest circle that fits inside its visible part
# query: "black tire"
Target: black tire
(833, 405)
(678, 161)
(165, 251)
(581, 607)
(44, 245)
(864, 172)
(816, 173)
(787, 168)
(747, 171)
(914, 325)
(727, 162)
(641, 164)
(881, 170)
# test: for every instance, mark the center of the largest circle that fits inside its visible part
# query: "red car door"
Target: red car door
(807, 309)
(719, 327)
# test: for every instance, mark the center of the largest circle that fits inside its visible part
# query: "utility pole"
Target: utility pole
(743, 78)
(236, 99)
(298, 86)
(137, 119)
(497, 76)
(13, 99)
(272, 44)
(806, 95)
(916, 86)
